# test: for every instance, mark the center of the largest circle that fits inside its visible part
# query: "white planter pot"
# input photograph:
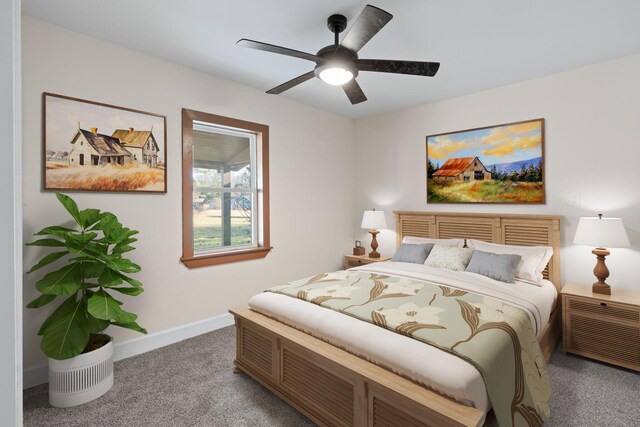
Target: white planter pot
(81, 379)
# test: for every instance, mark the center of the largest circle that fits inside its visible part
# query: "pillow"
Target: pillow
(449, 257)
(500, 267)
(534, 258)
(458, 243)
(412, 253)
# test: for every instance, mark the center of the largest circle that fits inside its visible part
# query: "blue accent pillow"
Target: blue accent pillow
(416, 254)
(500, 267)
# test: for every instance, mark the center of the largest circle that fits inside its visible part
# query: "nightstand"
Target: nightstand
(356, 260)
(602, 327)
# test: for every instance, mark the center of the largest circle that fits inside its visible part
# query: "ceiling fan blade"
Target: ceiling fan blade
(370, 21)
(277, 49)
(292, 83)
(354, 92)
(415, 68)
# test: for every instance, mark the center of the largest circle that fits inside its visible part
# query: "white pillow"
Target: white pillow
(412, 240)
(534, 258)
(449, 257)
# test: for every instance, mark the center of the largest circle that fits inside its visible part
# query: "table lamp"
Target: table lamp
(601, 232)
(372, 220)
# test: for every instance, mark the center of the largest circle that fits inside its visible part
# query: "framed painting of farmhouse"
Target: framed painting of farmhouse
(494, 164)
(90, 146)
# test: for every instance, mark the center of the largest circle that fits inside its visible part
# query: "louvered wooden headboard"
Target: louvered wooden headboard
(506, 229)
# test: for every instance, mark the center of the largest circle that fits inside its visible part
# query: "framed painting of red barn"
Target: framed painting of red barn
(91, 146)
(494, 164)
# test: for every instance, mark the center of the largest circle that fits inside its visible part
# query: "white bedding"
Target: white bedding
(422, 363)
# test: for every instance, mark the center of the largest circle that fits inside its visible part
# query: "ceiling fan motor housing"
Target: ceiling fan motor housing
(333, 55)
(337, 23)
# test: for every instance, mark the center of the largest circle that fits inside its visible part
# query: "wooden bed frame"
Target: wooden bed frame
(335, 388)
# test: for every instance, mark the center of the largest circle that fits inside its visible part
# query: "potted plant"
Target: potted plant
(92, 268)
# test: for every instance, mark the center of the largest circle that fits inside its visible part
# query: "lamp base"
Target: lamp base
(601, 272)
(374, 244)
(601, 288)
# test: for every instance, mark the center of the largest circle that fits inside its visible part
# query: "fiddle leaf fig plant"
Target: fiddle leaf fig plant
(93, 267)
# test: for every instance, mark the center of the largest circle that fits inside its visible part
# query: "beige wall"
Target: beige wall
(592, 149)
(311, 169)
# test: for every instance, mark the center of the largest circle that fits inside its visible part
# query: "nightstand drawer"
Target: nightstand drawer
(351, 261)
(604, 340)
(610, 310)
(355, 262)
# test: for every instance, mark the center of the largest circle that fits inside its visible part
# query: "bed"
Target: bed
(346, 380)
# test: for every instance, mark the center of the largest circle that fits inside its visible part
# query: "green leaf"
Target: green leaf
(48, 259)
(101, 305)
(89, 217)
(47, 242)
(113, 231)
(92, 269)
(64, 281)
(95, 325)
(123, 264)
(82, 239)
(67, 330)
(119, 250)
(110, 277)
(126, 233)
(131, 325)
(62, 307)
(108, 223)
(101, 248)
(70, 206)
(42, 300)
(90, 250)
(131, 281)
(82, 259)
(126, 241)
(128, 291)
(56, 230)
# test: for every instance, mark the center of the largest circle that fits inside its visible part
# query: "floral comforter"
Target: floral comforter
(497, 338)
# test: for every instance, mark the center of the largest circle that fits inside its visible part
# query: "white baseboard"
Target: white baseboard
(37, 375)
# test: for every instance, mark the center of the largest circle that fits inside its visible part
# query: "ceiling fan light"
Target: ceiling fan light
(334, 74)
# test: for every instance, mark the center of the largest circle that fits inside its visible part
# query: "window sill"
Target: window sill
(226, 257)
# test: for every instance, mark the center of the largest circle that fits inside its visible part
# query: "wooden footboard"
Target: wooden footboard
(333, 387)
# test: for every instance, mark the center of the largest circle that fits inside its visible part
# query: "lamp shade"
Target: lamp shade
(601, 232)
(373, 220)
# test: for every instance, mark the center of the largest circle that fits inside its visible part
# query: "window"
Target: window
(225, 211)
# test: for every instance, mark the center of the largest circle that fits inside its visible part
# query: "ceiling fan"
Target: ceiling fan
(338, 64)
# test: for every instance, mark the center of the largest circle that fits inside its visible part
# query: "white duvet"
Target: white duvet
(434, 368)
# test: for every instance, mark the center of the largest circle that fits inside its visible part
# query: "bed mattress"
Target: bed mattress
(429, 366)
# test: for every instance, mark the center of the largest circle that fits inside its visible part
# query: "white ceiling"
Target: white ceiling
(481, 44)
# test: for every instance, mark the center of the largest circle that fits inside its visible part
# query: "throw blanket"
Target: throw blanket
(496, 338)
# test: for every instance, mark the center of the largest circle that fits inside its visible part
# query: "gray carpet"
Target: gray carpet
(191, 384)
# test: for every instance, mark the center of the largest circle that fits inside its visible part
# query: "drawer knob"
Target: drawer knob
(603, 304)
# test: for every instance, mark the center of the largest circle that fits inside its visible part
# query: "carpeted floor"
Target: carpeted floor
(191, 384)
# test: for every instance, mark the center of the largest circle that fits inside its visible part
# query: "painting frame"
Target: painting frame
(540, 200)
(160, 163)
